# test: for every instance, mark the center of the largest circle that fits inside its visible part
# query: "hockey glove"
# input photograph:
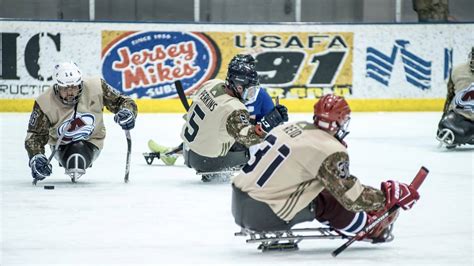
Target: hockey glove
(399, 194)
(277, 116)
(283, 112)
(40, 169)
(125, 118)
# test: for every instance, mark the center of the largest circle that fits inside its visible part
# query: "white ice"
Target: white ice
(165, 215)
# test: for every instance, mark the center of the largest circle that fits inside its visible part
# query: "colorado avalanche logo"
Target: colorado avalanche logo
(464, 99)
(146, 64)
(79, 128)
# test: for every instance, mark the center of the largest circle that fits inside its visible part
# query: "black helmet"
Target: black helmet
(243, 58)
(242, 74)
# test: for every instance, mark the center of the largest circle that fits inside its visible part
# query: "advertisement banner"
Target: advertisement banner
(293, 65)
(146, 64)
(372, 65)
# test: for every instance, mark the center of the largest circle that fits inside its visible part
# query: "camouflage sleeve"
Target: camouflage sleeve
(38, 132)
(114, 101)
(239, 127)
(346, 188)
(449, 96)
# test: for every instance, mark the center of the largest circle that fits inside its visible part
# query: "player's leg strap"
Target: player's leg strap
(258, 216)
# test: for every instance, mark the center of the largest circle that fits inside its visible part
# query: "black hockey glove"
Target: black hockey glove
(125, 119)
(274, 118)
(283, 112)
(40, 169)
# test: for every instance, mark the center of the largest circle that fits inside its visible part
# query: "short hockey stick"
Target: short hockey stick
(416, 183)
(129, 152)
(58, 142)
(184, 101)
(181, 94)
(56, 146)
(176, 150)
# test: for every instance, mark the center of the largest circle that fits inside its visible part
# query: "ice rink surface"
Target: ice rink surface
(166, 215)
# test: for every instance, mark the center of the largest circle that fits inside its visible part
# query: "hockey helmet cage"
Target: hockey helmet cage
(68, 77)
(240, 74)
(332, 113)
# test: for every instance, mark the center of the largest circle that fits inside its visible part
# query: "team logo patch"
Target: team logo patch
(343, 169)
(33, 118)
(464, 99)
(244, 119)
(79, 128)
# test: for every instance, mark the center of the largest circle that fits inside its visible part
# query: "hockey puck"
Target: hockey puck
(48, 187)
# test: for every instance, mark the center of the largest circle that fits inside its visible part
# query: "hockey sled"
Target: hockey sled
(288, 240)
(223, 175)
(150, 156)
(446, 137)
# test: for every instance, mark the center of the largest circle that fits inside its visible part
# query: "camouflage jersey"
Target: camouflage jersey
(459, 84)
(295, 163)
(216, 120)
(431, 10)
(49, 113)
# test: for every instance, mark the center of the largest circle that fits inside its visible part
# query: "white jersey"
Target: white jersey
(294, 164)
(88, 116)
(463, 98)
(206, 129)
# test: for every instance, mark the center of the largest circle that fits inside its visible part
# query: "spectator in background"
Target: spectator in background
(432, 10)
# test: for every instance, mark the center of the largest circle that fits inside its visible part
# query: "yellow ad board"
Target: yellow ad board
(290, 65)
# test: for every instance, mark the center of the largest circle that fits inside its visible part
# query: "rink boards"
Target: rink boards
(377, 67)
(297, 105)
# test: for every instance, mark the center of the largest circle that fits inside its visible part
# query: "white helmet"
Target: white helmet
(68, 75)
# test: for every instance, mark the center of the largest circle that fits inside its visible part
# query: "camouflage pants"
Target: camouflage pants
(437, 13)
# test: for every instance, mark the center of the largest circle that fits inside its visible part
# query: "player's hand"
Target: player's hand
(125, 118)
(399, 194)
(283, 112)
(274, 118)
(40, 168)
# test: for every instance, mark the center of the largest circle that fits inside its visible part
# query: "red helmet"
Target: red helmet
(331, 113)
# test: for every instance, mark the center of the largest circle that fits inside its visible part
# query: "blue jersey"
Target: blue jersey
(260, 105)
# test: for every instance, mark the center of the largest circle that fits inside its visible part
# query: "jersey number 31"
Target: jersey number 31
(283, 152)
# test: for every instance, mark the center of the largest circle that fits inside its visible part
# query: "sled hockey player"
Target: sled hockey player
(258, 107)
(212, 150)
(457, 124)
(69, 117)
(301, 173)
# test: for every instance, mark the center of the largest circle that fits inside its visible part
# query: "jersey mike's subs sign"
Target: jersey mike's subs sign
(146, 64)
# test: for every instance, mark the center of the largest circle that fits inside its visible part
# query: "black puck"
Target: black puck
(48, 187)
